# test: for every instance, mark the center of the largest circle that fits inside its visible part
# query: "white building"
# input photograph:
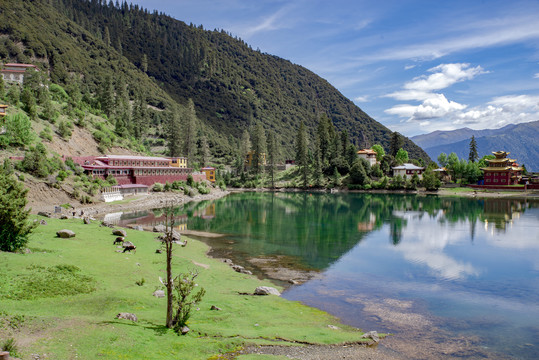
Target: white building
(15, 72)
(369, 155)
(408, 170)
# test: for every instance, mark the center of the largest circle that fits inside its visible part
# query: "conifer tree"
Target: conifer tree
(473, 156)
(301, 154)
(395, 144)
(173, 133)
(14, 224)
(259, 148)
(245, 147)
(204, 151)
(106, 96)
(272, 150)
(190, 132)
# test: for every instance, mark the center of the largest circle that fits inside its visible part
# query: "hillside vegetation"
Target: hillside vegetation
(122, 57)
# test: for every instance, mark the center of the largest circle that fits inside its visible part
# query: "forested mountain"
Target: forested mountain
(167, 62)
(520, 140)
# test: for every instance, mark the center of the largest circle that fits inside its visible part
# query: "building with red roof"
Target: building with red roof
(15, 72)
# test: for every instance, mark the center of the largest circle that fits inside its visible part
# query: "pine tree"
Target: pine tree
(473, 156)
(259, 148)
(301, 154)
(204, 151)
(272, 150)
(245, 147)
(395, 144)
(190, 133)
(173, 134)
(106, 96)
(14, 224)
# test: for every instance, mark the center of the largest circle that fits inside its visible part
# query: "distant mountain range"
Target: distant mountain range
(521, 140)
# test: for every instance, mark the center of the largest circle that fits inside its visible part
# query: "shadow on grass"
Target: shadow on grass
(158, 329)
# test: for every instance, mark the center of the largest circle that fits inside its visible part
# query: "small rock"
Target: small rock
(228, 261)
(65, 233)
(371, 335)
(64, 217)
(185, 330)
(43, 222)
(333, 327)
(138, 228)
(266, 290)
(119, 232)
(213, 307)
(27, 251)
(158, 251)
(293, 282)
(159, 293)
(127, 316)
(87, 221)
(160, 228)
(119, 251)
(44, 213)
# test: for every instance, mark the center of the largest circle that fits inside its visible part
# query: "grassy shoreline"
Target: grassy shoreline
(82, 325)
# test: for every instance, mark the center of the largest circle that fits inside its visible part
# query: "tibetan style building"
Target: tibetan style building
(15, 72)
(369, 155)
(138, 170)
(501, 170)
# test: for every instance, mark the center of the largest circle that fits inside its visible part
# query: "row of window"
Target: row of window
(140, 172)
(496, 174)
(138, 163)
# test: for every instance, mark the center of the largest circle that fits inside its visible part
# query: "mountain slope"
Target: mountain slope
(231, 85)
(520, 140)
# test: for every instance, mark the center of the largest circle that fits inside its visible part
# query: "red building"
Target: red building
(143, 170)
(501, 170)
(15, 72)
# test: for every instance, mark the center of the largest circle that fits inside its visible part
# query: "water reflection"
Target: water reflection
(472, 262)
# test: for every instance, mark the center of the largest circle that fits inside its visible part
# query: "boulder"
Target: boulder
(159, 293)
(64, 217)
(371, 335)
(87, 221)
(185, 330)
(107, 224)
(43, 222)
(127, 316)
(119, 232)
(266, 290)
(241, 269)
(160, 228)
(44, 213)
(4, 355)
(65, 233)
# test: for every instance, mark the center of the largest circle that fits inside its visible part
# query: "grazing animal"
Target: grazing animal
(129, 248)
(119, 240)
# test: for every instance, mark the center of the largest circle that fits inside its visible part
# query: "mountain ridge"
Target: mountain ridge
(231, 85)
(519, 139)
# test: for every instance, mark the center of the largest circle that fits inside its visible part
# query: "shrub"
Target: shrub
(158, 187)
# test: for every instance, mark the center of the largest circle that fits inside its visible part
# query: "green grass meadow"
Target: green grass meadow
(62, 298)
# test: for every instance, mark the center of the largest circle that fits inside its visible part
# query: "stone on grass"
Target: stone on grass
(138, 228)
(127, 316)
(65, 233)
(87, 221)
(333, 327)
(43, 222)
(213, 307)
(266, 290)
(119, 232)
(241, 269)
(185, 330)
(158, 251)
(64, 217)
(159, 293)
(160, 228)
(44, 213)
(371, 335)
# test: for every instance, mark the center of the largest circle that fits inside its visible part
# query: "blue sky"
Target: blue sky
(414, 66)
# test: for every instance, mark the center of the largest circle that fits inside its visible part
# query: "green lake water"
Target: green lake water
(461, 268)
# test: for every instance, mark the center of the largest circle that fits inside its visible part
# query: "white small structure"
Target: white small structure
(111, 194)
(15, 72)
(368, 154)
(408, 170)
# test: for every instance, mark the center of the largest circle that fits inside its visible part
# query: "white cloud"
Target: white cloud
(433, 105)
(536, 76)
(364, 98)
(477, 35)
(409, 67)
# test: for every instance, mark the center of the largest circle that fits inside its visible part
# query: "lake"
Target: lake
(448, 277)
